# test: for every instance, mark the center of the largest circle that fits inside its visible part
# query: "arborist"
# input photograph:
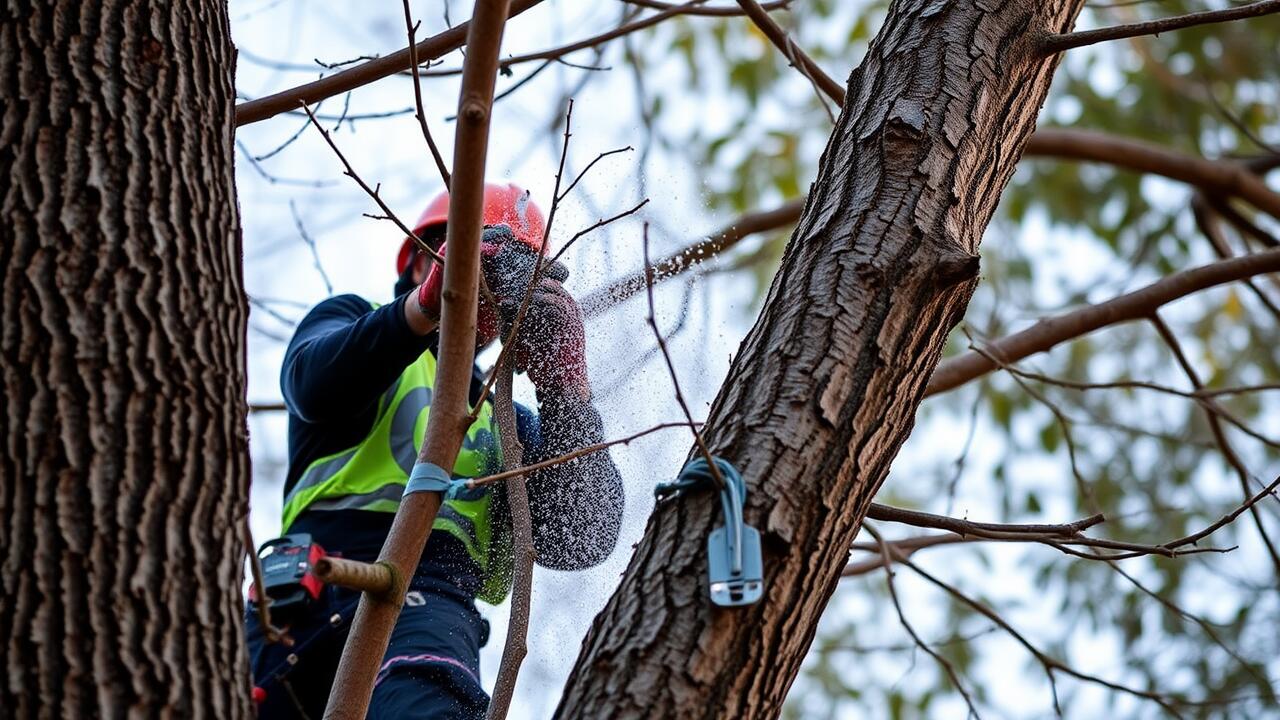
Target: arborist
(357, 382)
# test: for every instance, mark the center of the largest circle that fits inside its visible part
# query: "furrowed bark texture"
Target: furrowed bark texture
(825, 386)
(123, 478)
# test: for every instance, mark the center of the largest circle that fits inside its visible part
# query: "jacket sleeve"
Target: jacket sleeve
(344, 355)
(576, 506)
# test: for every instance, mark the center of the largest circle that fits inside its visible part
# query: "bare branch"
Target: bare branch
(916, 518)
(1224, 177)
(1219, 436)
(430, 49)
(557, 53)
(412, 30)
(1221, 177)
(671, 370)
(596, 226)
(1059, 42)
(311, 244)
(272, 633)
(590, 165)
(372, 192)
(567, 457)
(1136, 305)
(797, 57)
(516, 646)
(1268, 491)
(273, 179)
(509, 341)
(411, 526)
(676, 263)
(1202, 396)
(709, 11)
(1049, 663)
(261, 407)
(886, 563)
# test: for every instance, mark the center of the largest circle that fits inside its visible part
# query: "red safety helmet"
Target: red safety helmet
(507, 204)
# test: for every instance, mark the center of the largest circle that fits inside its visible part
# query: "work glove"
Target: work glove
(550, 345)
(495, 264)
(508, 267)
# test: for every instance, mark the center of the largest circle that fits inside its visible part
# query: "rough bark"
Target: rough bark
(124, 474)
(825, 387)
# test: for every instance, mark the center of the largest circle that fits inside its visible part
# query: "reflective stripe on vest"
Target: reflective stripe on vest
(372, 475)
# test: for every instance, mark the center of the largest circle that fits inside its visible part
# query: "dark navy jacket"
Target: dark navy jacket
(345, 354)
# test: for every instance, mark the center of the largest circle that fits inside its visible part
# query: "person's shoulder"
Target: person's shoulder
(346, 305)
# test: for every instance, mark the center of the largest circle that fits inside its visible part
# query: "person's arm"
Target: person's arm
(576, 506)
(345, 354)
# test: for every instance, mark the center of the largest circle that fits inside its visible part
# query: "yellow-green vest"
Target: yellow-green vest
(372, 475)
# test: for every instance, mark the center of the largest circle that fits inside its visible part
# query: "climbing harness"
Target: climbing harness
(735, 570)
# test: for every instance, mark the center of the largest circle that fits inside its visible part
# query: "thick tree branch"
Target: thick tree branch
(1223, 177)
(1220, 177)
(709, 11)
(1136, 305)
(712, 245)
(432, 48)
(1059, 42)
(371, 629)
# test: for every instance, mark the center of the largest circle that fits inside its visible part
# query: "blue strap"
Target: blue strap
(427, 477)
(735, 570)
(696, 475)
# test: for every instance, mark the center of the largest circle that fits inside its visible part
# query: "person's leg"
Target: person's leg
(432, 666)
(295, 680)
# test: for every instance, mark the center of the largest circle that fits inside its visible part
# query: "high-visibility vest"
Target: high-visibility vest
(372, 475)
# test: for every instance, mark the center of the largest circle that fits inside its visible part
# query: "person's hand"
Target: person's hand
(430, 292)
(550, 344)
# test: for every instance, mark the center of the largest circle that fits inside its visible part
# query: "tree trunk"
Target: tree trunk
(123, 480)
(825, 386)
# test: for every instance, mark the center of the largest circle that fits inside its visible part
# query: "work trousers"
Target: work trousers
(431, 668)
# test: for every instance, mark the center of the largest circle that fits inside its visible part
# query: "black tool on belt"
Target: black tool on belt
(289, 581)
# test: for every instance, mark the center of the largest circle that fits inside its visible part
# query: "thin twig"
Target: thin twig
(590, 165)
(599, 224)
(1049, 663)
(1219, 436)
(274, 179)
(1058, 42)
(567, 457)
(886, 563)
(793, 53)
(671, 370)
(311, 244)
(412, 30)
(516, 645)
(373, 193)
(1202, 397)
(272, 633)
(709, 11)
(508, 343)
